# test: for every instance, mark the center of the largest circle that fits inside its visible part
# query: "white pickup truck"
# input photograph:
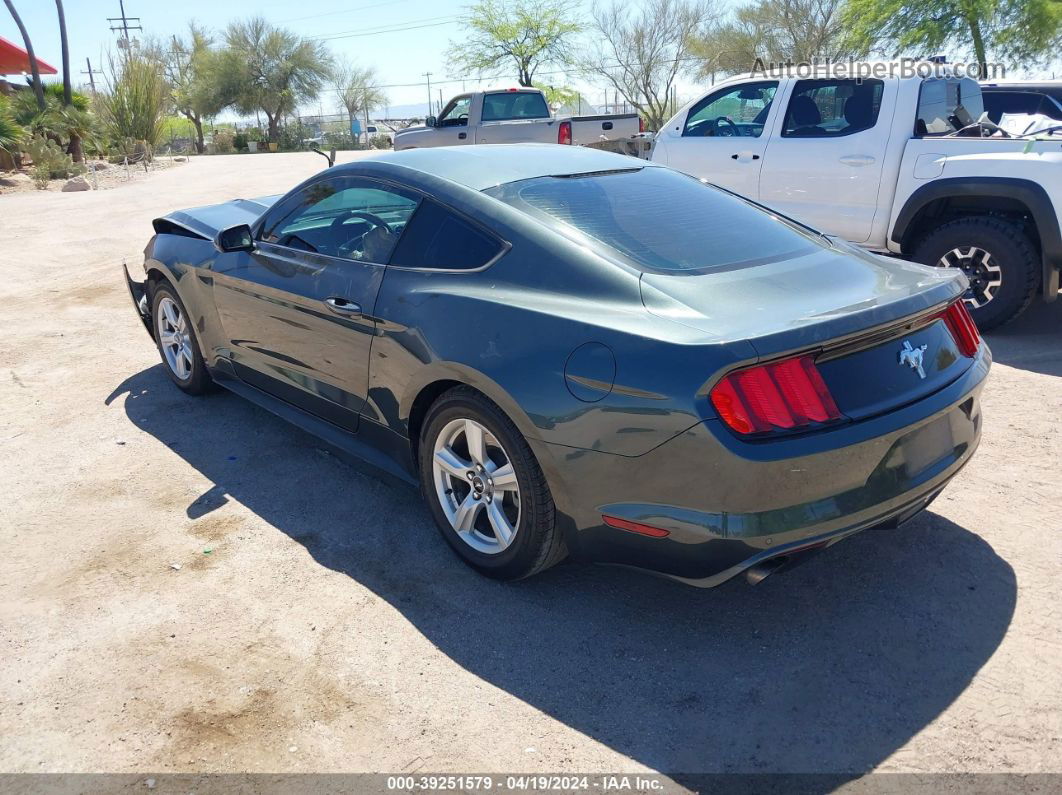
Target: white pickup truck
(512, 116)
(898, 164)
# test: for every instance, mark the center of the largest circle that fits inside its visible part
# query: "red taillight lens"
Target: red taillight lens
(962, 327)
(564, 132)
(635, 527)
(779, 396)
(641, 124)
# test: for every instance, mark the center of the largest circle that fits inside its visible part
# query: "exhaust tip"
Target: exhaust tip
(761, 571)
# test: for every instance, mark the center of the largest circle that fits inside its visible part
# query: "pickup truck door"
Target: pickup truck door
(823, 164)
(512, 117)
(451, 128)
(722, 138)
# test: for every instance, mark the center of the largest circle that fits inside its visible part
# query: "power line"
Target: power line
(125, 27)
(359, 34)
(344, 11)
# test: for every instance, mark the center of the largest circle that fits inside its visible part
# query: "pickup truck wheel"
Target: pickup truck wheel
(997, 257)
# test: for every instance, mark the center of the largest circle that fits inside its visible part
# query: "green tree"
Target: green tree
(772, 31)
(509, 34)
(641, 53)
(134, 103)
(76, 122)
(192, 70)
(1022, 32)
(270, 69)
(358, 91)
(11, 132)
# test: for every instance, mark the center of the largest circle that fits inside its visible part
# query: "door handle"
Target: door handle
(342, 305)
(735, 157)
(462, 136)
(857, 160)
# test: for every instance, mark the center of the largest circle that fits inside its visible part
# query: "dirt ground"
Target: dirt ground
(318, 622)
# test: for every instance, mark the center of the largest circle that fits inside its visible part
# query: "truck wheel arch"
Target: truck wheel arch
(946, 199)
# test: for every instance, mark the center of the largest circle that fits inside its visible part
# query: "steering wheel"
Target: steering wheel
(345, 248)
(734, 131)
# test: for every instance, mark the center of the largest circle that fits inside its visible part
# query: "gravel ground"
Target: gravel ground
(330, 629)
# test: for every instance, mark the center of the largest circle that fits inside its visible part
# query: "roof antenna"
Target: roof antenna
(331, 158)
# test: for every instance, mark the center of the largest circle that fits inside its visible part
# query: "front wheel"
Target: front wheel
(485, 489)
(177, 343)
(998, 258)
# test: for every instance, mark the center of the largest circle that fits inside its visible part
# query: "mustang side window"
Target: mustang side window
(740, 111)
(436, 238)
(832, 108)
(353, 219)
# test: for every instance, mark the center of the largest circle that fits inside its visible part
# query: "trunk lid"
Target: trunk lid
(867, 316)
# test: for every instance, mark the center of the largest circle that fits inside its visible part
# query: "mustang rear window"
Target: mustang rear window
(661, 220)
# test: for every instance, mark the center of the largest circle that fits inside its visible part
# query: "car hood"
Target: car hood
(209, 220)
(797, 303)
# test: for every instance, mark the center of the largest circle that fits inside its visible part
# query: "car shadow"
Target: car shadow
(828, 668)
(1032, 342)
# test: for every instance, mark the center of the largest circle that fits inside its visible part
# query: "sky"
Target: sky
(403, 39)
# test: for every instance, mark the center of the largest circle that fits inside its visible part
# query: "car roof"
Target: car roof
(481, 167)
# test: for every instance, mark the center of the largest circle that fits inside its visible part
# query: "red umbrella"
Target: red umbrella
(15, 61)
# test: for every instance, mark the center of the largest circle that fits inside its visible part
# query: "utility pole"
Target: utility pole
(90, 72)
(125, 27)
(428, 76)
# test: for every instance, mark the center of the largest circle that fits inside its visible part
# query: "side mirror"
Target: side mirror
(235, 238)
(430, 121)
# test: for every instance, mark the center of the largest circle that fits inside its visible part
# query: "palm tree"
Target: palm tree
(74, 148)
(38, 90)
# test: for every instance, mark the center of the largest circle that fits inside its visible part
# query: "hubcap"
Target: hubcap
(984, 274)
(174, 339)
(476, 486)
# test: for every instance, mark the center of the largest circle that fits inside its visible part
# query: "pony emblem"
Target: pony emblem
(912, 357)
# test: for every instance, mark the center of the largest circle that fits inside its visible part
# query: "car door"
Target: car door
(722, 138)
(451, 128)
(514, 116)
(824, 165)
(297, 311)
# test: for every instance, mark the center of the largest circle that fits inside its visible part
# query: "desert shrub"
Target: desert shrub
(135, 103)
(224, 142)
(240, 142)
(50, 161)
(11, 132)
(380, 141)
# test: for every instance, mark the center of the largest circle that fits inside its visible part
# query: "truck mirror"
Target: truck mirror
(430, 121)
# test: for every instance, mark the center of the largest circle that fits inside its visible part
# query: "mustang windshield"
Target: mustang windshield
(661, 220)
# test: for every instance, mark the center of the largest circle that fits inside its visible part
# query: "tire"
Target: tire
(183, 361)
(1011, 257)
(535, 542)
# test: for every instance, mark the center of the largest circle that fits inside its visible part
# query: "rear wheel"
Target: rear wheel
(176, 342)
(997, 257)
(485, 489)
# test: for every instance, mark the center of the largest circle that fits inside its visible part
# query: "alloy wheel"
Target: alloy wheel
(476, 486)
(984, 274)
(174, 339)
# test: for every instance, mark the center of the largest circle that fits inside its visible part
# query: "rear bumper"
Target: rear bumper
(138, 293)
(729, 505)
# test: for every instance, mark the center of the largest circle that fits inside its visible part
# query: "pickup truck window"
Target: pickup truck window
(832, 108)
(514, 105)
(947, 104)
(437, 238)
(456, 112)
(740, 111)
(660, 220)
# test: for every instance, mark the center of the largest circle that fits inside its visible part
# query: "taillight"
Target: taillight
(784, 395)
(641, 124)
(564, 132)
(962, 327)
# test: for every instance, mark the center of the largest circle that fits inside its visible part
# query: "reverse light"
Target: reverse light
(635, 527)
(784, 395)
(564, 132)
(962, 327)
